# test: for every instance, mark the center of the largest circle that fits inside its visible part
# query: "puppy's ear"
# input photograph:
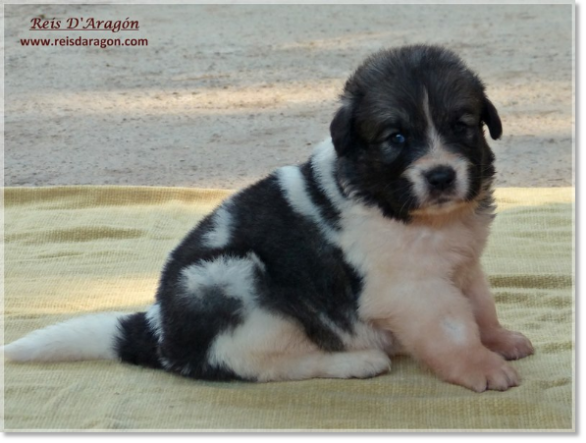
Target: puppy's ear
(490, 116)
(342, 131)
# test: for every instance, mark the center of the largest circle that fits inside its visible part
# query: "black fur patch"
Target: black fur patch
(190, 324)
(305, 274)
(137, 344)
(327, 209)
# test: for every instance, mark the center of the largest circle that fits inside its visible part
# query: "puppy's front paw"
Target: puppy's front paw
(484, 372)
(511, 345)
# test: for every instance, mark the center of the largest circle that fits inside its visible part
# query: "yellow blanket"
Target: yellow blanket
(74, 250)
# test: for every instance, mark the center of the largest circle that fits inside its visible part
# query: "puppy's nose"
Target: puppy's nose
(441, 177)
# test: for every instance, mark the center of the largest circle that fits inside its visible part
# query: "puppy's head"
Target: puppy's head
(410, 133)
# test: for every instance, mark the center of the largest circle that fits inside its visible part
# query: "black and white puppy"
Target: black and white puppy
(326, 269)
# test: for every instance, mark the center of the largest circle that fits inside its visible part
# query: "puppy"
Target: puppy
(370, 248)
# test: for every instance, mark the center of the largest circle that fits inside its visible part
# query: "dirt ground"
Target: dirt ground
(224, 94)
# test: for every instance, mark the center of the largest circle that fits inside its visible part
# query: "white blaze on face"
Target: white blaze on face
(433, 137)
(437, 155)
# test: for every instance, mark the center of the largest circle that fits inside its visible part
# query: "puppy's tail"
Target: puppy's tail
(105, 336)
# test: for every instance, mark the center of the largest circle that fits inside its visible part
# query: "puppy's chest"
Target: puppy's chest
(379, 247)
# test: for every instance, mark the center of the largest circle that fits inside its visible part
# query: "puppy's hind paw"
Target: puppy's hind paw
(358, 364)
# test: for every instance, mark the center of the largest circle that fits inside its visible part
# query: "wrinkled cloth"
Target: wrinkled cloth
(77, 250)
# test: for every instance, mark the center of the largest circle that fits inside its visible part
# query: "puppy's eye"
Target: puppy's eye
(460, 127)
(397, 139)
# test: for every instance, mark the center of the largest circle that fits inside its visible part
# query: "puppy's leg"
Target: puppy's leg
(434, 322)
(511, 345)
(355, 364)
(267, 347)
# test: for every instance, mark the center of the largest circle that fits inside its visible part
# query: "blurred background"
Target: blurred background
(223, 94)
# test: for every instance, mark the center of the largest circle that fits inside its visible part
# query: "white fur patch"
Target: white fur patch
(397, 258)
(323, 163)
(90, 337)
(415, 176)
(220, 235)
(455, 330)
(433, 136)
(294, 187)
(233, 274)
(462, 180)
(262, 334)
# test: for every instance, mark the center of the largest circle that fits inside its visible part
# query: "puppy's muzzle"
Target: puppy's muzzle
(440, 179)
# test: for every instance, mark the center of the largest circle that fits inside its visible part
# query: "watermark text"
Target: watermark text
(80, 41)
(84, 24)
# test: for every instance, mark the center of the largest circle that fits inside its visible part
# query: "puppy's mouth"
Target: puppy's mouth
(441, 201)
(439, 204)
(435, 201)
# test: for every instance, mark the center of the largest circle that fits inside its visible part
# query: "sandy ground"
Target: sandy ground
(224, 94)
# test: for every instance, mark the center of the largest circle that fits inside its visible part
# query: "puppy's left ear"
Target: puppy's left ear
(342, 131)
(490, 116)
